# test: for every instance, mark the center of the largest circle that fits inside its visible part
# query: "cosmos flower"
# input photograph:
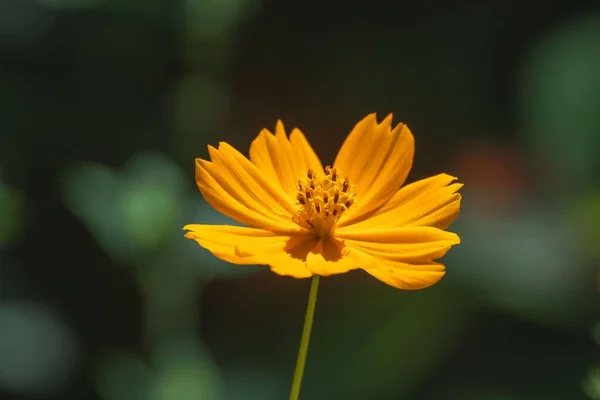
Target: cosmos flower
(304, 220)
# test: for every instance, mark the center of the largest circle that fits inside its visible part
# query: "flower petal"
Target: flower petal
(231, 201)
(405, 234)
(401, 245)
(284, 160)
(409, 277)
(432, 201)
(377, 159)
(233, 186)
(285, 255)
(252, 179)
(405, 255)
(330, 257)
(404, 252)
(306, 156)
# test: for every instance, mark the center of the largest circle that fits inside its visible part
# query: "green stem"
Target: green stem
(304, 342)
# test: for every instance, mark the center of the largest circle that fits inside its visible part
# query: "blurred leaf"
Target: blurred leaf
(132, 214)
(525, 262)
(155, 168)
(591, 385)
(37, 350)
(560, 94)
(149, 213)
(213, 18)
(137, 215)
(184, 371)
(253, 382)
(586, 214)
(120, 375)
(90, 192)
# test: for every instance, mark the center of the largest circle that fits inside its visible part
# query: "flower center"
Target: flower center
(323, 200)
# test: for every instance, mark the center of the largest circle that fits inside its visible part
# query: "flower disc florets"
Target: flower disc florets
(323, 200)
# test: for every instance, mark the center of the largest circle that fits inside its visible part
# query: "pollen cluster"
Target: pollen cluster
(323, 200)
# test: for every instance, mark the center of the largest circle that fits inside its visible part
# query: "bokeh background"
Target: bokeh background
(104, 104)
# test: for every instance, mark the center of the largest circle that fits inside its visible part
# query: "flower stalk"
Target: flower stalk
(305, 341)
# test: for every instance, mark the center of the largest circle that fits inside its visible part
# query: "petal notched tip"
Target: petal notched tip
(189, 228)
(369, 119)
(387, 121)
(224, 146)
(279, 128)
(451, 178)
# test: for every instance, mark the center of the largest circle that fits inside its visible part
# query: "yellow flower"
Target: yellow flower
(304, 220)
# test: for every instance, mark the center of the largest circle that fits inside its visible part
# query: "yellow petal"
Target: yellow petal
(284, 160)
(405, 234)
(285, 255)
(404, 252)
(217, 188)
(377, 159)
(444, 215)
(396, 246)
(305, 155)
(253, 180)
(409, 277)
(405, 255)
(235, 187)
(330, 257)
(432, 201)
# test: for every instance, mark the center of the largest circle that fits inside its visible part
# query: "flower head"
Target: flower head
(304, 219)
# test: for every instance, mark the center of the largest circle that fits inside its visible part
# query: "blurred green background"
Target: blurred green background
(104, 104)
